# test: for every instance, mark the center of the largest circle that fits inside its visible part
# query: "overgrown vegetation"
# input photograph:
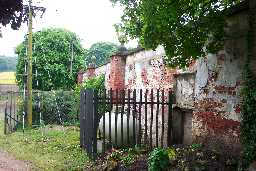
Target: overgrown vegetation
(191, 157)
(183, 27)
(56, 107)
(158, 160)
(97, 83)
(53, 51)
(50, 148)
(99, 53)
(248, 94)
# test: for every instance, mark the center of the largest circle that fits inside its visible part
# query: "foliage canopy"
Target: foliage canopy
(14, 12)
(183, 27)
(100, 52)
(11, 13)
(52, 59)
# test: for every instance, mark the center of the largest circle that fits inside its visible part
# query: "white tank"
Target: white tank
(119, 142)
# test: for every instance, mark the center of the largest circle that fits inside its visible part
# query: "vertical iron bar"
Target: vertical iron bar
(110, 110)
(157, 113)
(162, 134)
(146, 118)
(128, 117)
(133, 117)
(104, 120)
(122, 117)
(116, 115)
(151, 118)
(140, 105)
(169, 137)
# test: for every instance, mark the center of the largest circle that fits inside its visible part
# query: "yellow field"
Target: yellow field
(7, 78)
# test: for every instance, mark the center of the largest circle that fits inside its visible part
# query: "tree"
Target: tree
(100, 52)
(14, 12)
(11, 12)
(183, 27)
(52, 59)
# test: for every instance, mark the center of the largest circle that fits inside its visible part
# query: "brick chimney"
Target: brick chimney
(90, 72)
(117, 70)
(80, 77)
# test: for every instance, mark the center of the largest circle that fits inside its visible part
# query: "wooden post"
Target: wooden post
(29, 108)
(5, 119)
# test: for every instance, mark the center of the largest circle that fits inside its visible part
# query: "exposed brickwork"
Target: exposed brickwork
(90, 72)
(117, 73)
(80, 77)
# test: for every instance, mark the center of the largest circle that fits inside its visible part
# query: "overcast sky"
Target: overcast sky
(91, 20)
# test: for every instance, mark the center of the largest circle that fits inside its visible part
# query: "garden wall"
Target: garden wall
(207, 93)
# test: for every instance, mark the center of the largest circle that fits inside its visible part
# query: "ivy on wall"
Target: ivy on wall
(248, 94)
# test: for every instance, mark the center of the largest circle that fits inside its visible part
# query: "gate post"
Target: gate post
(82, 118)
(5, 119)
(88, 116)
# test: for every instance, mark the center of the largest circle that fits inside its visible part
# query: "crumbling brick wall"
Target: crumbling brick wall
(217, 111)
(146, 70)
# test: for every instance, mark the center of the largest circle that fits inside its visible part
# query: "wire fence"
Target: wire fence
(49, 107)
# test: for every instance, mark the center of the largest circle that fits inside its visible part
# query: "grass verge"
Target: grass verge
(49, 149)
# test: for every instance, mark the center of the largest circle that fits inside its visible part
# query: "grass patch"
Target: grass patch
(55, 149)
(7, 78)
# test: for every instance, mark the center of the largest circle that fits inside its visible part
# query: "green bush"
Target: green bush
(56, 107)
(248, 94)
(158, 160)
(248, 124)
(96, 83)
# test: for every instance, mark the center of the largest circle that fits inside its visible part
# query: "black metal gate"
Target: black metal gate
(121, 118)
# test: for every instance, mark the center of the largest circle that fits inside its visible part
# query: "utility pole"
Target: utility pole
(29, 84)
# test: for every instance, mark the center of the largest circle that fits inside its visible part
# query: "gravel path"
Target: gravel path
(9, 163)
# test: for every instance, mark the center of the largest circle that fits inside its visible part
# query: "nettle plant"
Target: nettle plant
(158, 159)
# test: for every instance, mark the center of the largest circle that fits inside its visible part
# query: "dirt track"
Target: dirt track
(9, 163)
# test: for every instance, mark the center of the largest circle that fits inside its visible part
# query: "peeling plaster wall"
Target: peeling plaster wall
(146, 70)
(217, 112)
(217, 82)
(184, 90)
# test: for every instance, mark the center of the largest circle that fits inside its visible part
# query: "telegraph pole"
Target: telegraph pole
(29, 81)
